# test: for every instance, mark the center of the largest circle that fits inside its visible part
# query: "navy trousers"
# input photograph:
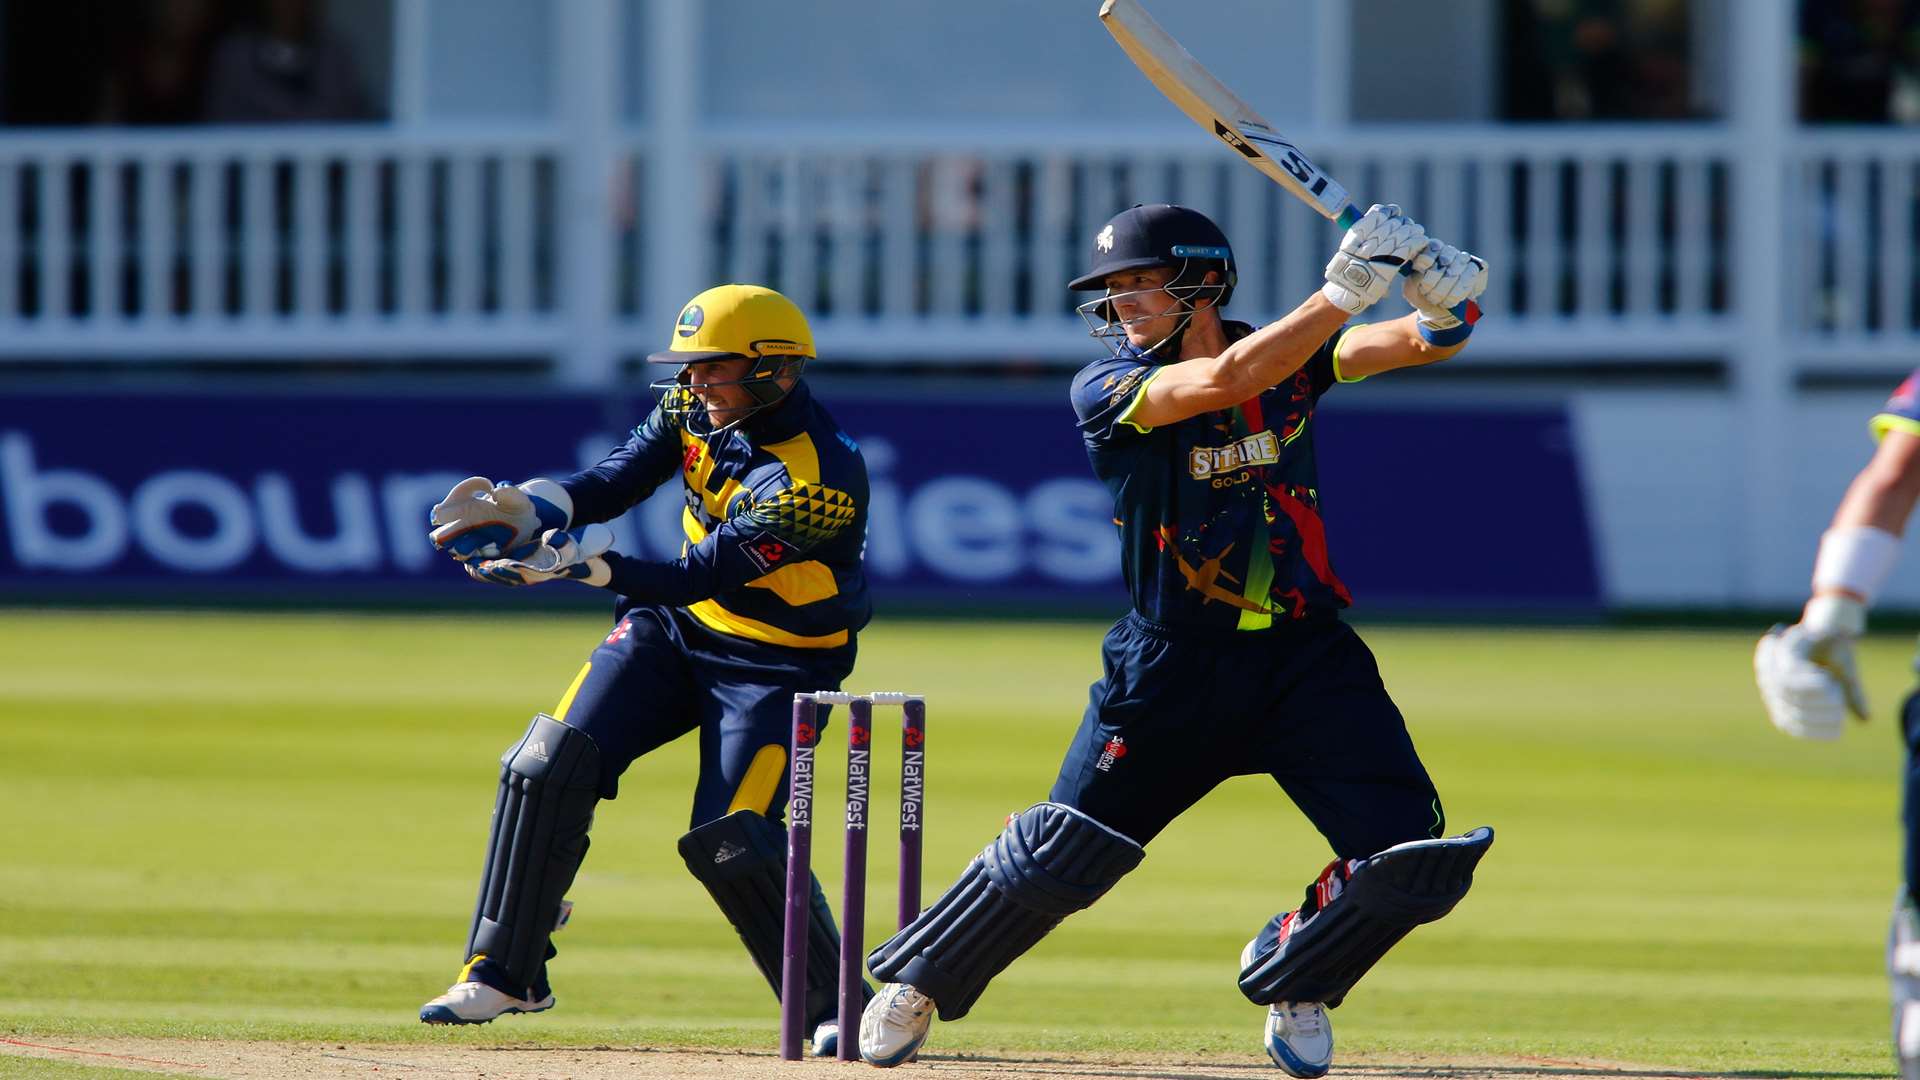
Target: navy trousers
(660, 674)
(1177, 712)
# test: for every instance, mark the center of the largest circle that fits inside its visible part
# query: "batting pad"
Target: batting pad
(1050, 862)
(742, 860)
(549, 785)
(1388, 895)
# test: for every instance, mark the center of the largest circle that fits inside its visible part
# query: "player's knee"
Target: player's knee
(1056, 859)
(554, 754)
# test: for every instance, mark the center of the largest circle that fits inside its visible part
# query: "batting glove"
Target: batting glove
(481, 520)
(559, 556)
(1370, 256)
(1444, 277)
(1806, 672)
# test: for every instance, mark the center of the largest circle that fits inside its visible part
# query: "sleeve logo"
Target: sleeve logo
(766, 551)
(1119, 388)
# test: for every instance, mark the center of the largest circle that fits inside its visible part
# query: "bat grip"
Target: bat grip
(1466, 311)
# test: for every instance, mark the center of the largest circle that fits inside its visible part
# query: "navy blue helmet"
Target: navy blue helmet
(1161, 234)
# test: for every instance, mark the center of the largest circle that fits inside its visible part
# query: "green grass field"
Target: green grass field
(237, 826)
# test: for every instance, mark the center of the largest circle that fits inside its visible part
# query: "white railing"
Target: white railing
(1608, 242)
(924, 245)
(257, 244)
(1853, 292)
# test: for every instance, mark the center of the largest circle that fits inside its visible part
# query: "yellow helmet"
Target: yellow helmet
(729, 322)
(737, 320)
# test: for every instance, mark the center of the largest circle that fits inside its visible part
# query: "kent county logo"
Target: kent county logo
(690, 321)
(1105, 240)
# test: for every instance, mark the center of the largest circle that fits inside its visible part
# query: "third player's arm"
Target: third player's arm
(1384, 346)
(1883, 495)
(1242, 370)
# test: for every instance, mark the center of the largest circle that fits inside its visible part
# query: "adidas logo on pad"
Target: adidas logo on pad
(728, 850)
(538, 750)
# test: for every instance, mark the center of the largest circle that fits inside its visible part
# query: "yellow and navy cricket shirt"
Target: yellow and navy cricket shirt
(1219, 513)
(776, 522)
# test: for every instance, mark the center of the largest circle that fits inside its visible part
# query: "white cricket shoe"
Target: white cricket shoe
(826, 1038)
(1903, 970)
(1299, 1038)
(477, 1003)
(894, 1025)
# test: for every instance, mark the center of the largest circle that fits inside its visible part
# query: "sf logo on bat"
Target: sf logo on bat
(1290, 158)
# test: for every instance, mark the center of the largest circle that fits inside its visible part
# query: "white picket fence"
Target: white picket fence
(1619, 243)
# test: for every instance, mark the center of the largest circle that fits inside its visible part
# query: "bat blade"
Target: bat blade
(1207, 101)
(1195, 91)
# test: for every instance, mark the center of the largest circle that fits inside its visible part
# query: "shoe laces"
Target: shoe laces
(1304, 1018)
(914, 1003)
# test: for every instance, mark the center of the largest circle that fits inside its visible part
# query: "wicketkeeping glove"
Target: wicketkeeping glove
(1806, 672)
(1370, 256)
(481, 520)
(559, 556)
(1444, 277)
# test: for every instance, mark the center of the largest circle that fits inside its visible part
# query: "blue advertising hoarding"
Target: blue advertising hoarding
(977, 499)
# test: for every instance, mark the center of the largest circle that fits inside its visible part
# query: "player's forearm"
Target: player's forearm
(1876, 501)
(1884, 493)
(612, 487)
(1372, 349)
(674, 583)
(1858, 550)
(1268, 355)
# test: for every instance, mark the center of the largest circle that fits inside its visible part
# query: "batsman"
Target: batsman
(766, 600)
(1234, 660)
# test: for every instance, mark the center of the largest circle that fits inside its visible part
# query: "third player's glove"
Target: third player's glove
(1370, 256)
(1444, 277)
(1806, 673)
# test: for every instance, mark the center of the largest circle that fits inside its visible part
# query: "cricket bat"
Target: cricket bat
(1219, 110)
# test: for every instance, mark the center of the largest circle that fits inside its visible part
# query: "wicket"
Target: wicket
(853, 882)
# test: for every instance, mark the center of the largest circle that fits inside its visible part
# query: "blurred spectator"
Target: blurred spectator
(1859, 61)
(284, 65)
(1597, 60)
(157, 63)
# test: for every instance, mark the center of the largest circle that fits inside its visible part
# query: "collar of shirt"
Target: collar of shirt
(785, 419)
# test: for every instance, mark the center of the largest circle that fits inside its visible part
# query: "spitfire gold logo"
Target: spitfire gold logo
(690, 321)
(1105, 240)
(1260, 448)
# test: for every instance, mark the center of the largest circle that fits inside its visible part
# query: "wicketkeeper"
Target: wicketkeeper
(1806, 672)
(1233, 660)
(765, 601)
